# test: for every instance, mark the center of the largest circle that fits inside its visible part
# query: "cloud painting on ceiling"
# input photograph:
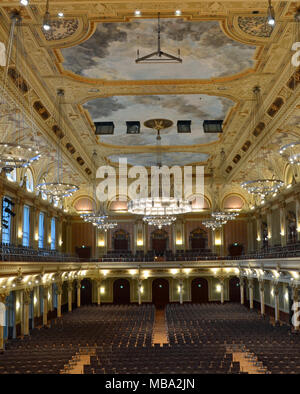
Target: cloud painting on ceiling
(111, 52)
(197, 108)
(167, 159)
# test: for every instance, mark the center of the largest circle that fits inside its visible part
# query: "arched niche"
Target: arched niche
(121, 240)
(84, 204)
(198, 239)
(159, 241)
(233, 202)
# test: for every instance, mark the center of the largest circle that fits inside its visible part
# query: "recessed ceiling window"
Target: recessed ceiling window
(133, 127)
(184, 126)
(103, 128)
(213, 126)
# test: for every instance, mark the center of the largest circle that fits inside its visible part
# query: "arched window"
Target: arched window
(29, 181)
(26, 225)
(12, 176)
(6, 220)
(53, 234)
(41, 230)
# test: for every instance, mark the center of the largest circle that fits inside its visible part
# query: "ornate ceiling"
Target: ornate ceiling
(227, 48)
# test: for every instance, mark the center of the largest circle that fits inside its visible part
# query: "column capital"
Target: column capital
(27, 296)
(3, 297)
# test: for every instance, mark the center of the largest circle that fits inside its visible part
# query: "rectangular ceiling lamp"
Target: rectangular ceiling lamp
(103, 128)
(213, 126)
(133, 127)
(184, 126)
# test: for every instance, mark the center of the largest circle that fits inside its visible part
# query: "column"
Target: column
(26, 301)
(59, 295)
(222, 290)
(78, 293)
(70, 288)
(295, 319)
(98, 292)
(2, 320)
(258, 232)
(283, 224)
(250, 245)
(250, 286)
(269, 226)
(242, 283)
(262, 297)
(139, 291)
(181, 291)
(298, 216)
(45, 308)
(276, 296)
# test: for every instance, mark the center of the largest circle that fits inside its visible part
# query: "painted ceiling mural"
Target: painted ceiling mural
(111, 52)
(167, 159)
(196, 108)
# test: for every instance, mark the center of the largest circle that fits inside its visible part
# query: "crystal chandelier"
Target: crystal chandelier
(14, 151)
(224, 216)
(261, 185)
(98, 218)
(154, 208)
(159, 221)
(213, 224)
(291, 152)
(58, 190)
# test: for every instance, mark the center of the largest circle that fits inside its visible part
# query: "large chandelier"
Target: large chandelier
(224, 216)
(15, 125)
(261, 185)
(158, 56)
(213, 223)
(159, 210)
(291, 152)
(159, 221)
(159, 206)
(98, 218)
(58, 189)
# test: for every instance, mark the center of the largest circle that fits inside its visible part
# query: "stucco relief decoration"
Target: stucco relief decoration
(61, 29)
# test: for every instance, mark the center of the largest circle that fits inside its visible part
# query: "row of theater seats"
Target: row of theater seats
(290, 250)
(10, 252)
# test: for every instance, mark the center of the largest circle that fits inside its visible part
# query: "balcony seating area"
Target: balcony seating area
(290, 250)
(9, 252)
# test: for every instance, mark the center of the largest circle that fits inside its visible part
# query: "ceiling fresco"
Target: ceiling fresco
(111, 52)
(196, 108)
(167, 159)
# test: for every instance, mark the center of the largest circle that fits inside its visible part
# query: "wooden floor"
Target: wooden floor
(160, 327)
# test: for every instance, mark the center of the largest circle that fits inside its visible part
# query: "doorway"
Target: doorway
(121, 291)
(160, 293)
(199, 290)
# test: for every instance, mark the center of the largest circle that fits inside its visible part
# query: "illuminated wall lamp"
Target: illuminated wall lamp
(178, 241)
(140, 242)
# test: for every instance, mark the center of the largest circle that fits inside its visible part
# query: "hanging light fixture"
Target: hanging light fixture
(159, 209)
(158, 56)
(271, 14)
(14, 152)
(291, 152)
(224, 216)
(159, 221)
(213, 224)
(46, 20)
(261, 185)
(98, 218)
(58, 189)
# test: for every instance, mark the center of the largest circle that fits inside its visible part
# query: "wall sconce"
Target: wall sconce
(105, 272)
(218, 288)
(36, 236)
(258, 239)
(218, 241)
(178, 241)
(146, 274)
(187, 270)
(132, 272)
(140, 242)
(60, 242)
(17, 305)
(49, 239)
(286, 296)
(34, 300)
(141, 289)
(20, 233)
(101, 243)
(174, 271)
(282, 233)
(298, 229)
(102, 290)
(272, 292)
